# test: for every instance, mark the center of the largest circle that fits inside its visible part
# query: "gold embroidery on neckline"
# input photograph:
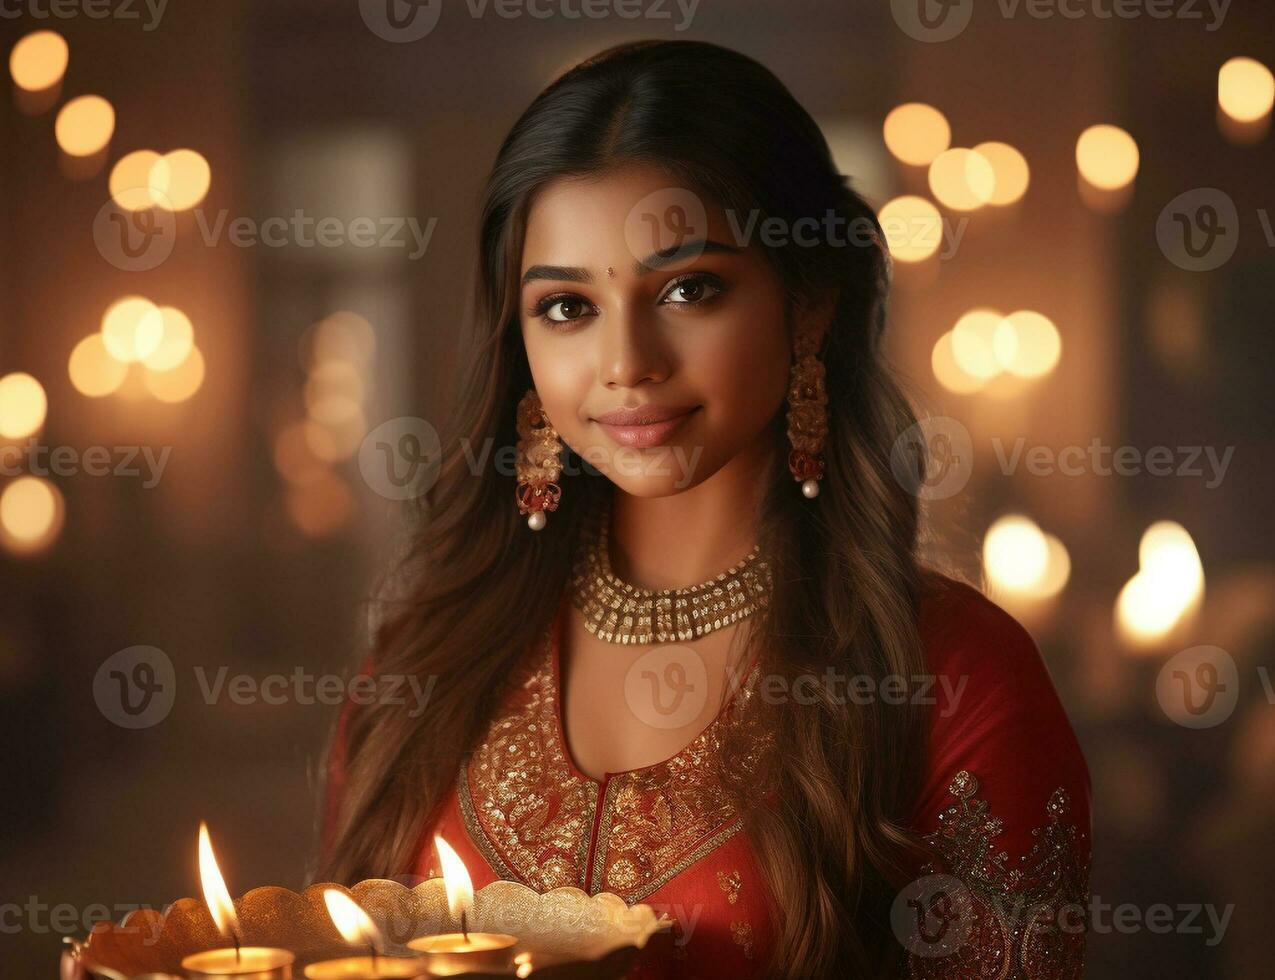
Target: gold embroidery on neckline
(653, 823)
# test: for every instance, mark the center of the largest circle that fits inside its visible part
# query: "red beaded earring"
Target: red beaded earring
(807, 413)
(538, 465)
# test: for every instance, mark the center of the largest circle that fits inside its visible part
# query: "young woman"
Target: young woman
(685, 651)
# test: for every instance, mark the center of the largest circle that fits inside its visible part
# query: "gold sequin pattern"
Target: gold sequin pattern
(1027, 917)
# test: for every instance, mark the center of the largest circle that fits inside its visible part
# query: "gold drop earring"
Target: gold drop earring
(807, 413)
(539, 464)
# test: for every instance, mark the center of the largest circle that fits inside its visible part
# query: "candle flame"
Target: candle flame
(354, 925)
(216, 896)
(456, 881)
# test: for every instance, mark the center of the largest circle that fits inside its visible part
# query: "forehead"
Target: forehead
(617, 218)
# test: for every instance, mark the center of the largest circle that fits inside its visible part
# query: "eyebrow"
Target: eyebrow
(656, 260)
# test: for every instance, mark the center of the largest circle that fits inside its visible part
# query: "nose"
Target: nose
(631, 349)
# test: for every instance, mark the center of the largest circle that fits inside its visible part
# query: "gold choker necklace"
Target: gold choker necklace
(619, 612)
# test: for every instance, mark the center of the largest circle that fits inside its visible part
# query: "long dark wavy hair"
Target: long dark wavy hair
(478, 586)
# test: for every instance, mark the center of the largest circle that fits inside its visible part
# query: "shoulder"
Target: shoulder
(995, 716)
(962, 629)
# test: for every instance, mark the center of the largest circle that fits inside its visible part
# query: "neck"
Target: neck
(689, 537)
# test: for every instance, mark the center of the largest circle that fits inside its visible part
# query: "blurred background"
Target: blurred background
(238, 237)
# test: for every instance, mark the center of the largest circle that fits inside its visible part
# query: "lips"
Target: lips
(644, 426)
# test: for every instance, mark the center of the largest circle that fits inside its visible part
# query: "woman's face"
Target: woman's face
(609, 325)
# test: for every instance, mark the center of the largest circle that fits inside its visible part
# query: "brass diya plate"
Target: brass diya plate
(564, 933)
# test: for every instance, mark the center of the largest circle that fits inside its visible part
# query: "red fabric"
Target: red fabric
(996, 716)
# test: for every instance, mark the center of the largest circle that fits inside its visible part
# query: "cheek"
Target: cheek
(562, 380)
(746, 378)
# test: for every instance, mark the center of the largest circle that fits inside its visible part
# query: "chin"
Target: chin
(652, 487)
(655, 474)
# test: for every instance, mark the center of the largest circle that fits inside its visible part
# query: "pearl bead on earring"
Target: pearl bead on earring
(537, 520)
(810, 488)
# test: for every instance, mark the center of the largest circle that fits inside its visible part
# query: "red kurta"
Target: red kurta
(1005, 808)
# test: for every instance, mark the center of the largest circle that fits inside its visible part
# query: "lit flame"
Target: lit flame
(214, 886)
(456, 881)
(354, 925)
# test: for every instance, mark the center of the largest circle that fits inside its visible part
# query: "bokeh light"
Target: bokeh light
(23, 405)
(1167, 588)
(973, 342)
(132, 328)
(1027, 344)
(342, 336)
(182, 179)
(131, 184)
(178, 383)
(294, 452)
(1107, 157)
(1022, 562)
(913, 228)
(176, 342)
(1015, 553)
(1011, 173)
(949, 373)
(38, 61)
(916, 133)
(320, 506)
(85, 125)
(31, 514)
(1245, 89)
(92, 369)
(962, 179)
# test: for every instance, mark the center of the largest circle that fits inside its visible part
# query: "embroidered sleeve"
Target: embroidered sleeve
(1003, 891)
(977, 911)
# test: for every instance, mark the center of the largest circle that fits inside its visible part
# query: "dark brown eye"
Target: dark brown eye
(692, 290)
(569, 308)
(689, 292)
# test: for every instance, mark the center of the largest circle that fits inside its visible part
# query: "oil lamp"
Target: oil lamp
(465, 951)
(238, 961)
(358, 930)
